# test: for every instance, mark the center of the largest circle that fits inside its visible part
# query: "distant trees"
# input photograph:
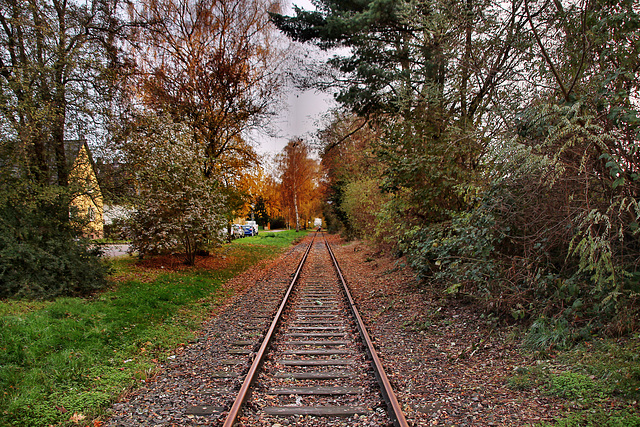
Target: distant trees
(263, 198)
(298, 181)
(352, 174)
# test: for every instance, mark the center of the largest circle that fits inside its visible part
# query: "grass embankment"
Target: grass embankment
(63, 361)
(597, 382)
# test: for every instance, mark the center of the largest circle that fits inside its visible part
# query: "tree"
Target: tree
(262, 191)
(211, 64)
(53, 72)
(54, 81)
(297, 178)
(427, 72)
(583, 123)
(349, 160)
(41, 256)
(508, 144)
(178, 208)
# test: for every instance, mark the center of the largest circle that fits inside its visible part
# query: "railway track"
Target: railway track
(316, 360)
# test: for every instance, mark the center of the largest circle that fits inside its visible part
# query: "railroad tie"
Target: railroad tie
(317, 390)
(318, 411)
(316, 362)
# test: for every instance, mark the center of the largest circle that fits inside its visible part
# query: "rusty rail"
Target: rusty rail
(395, 411)
(243, 394)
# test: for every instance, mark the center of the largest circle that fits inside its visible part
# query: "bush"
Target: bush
(531, 249)
(178, 208)
(458, 254)
(41, 252)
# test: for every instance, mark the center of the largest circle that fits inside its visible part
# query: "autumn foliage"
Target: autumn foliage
(298, 183)
(212, 65)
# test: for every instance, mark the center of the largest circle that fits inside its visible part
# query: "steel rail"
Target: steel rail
(395, 411)
(258, 360)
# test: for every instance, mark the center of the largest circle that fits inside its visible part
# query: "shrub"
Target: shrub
(178, 208)
(459, 252)
(42, 254)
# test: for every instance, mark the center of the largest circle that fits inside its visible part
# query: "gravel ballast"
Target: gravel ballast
(448, 364)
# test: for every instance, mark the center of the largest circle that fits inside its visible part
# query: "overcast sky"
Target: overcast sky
(299, 115)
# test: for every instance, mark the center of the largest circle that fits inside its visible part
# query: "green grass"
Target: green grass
(599, 381)
(76, 356)
(600, 417)
(279, 239)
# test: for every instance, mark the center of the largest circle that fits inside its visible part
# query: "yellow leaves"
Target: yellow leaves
(76, 418)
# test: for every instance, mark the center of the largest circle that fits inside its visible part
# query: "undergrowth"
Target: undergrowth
(598, 382)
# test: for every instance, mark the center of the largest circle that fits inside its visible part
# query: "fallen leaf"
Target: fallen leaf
(76, 418)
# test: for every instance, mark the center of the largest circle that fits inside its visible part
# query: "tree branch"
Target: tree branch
(344, 138)
(565, 93)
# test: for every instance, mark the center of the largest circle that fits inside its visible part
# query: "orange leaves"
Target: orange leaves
(298, 175)
(76, 418)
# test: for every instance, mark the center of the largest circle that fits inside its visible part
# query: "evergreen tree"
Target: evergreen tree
(428, 72)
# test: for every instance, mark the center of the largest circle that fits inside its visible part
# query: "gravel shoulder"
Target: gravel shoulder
(448, 363)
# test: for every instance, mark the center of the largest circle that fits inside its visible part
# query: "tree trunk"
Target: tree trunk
(190, 250)
(295, 204)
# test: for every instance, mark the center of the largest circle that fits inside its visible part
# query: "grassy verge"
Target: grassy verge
(598, 383)
(270, 239)
(63, 362)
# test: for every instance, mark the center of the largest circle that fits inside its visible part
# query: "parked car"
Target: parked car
(237, 231)
(254, 225)
(248, 230)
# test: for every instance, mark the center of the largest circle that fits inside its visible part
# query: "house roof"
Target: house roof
(71, 149)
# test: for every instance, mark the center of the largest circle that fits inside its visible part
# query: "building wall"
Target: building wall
(88, 200)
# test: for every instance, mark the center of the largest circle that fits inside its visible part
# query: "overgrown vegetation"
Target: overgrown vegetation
(41, 255)
(72, 357)
(495, 145)
(598, 382)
